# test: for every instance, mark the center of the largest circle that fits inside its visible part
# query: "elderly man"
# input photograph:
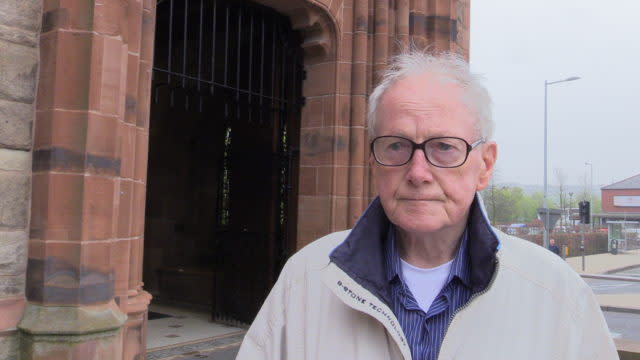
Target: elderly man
(423, 275)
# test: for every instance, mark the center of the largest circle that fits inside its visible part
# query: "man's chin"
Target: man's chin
(420, 225)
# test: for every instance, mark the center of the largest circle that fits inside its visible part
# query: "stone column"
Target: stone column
(19, 27)
(89, 167)
(131, 297)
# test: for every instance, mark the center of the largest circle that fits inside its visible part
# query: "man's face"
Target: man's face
(552, 242)
(419, 197)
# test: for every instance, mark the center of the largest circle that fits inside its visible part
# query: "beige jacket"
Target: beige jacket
(535, 307)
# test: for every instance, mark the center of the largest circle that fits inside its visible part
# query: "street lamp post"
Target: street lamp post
(546, 199)
(590, 197)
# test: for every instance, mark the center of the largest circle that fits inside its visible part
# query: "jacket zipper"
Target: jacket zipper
(473, 297)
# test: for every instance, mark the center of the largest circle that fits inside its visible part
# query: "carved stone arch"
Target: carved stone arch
(317, 24)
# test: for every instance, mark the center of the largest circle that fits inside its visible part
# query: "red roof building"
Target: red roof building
(621, 211)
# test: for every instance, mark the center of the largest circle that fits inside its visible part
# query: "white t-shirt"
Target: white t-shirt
(425, 284)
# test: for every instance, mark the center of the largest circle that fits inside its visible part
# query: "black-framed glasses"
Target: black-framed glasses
(443, 152)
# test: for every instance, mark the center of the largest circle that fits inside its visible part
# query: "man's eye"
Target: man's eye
(397, 146)
(442, 146)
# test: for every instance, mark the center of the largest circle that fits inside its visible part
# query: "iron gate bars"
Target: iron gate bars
(246, 59)
(227, 50)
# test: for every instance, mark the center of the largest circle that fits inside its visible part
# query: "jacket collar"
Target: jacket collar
(362, 254)
(460, 267)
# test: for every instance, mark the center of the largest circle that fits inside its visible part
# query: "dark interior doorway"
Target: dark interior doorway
(223, 158)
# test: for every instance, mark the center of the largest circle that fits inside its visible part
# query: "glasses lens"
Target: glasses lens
(391, 150)
(446, 152)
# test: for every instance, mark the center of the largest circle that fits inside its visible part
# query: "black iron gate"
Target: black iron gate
(239, 64)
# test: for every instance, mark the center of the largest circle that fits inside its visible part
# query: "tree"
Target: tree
(490, 195)
(510, 204)
(531, 204)
(561, 179)
(585, 193)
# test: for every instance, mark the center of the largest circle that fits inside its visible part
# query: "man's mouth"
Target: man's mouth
(419, 199)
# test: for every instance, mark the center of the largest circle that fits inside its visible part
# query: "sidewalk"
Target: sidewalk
(607, 264)
(619, 302)
(176, 333)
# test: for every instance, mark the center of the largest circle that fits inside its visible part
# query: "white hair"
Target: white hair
(449, 67)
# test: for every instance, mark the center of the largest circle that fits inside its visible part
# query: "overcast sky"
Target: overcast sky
(518, 45)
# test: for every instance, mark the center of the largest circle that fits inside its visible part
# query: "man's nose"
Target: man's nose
(420, 171)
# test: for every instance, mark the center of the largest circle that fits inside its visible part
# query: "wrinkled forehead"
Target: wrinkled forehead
(426, 96)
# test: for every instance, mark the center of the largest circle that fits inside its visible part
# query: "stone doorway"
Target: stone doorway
(223, 159)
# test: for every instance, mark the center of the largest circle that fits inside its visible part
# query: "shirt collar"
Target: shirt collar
(460, 267)
(362, 254)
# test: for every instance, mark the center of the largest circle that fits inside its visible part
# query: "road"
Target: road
(621, 324)
(635, 272)
(600, 286)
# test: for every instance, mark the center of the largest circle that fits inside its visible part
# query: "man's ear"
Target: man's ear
(489, 156)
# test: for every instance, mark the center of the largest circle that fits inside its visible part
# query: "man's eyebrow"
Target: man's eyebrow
(429, 136)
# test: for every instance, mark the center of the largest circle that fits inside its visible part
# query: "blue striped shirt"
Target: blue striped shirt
(425, 331)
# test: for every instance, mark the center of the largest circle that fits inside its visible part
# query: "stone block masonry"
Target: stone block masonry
(16, 120)
(19, 62)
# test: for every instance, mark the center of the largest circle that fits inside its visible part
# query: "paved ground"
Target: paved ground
(220, 348)
(600, 286)
(623, 325)
(631, 273)
(621, 296)
(603, 263)
(217, 354)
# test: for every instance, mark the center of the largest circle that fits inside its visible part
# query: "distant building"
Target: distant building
(621, 211)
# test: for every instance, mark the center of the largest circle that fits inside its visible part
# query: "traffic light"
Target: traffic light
(585, 211)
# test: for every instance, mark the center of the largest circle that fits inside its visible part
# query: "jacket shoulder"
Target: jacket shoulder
(315, 255)
(539, 266)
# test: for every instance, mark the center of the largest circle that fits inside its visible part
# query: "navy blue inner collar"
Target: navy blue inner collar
(362, 254)
(459, 269)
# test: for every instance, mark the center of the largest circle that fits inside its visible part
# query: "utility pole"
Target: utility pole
(546, 198)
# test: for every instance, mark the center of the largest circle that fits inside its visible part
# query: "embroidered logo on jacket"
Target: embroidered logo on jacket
(362, 300)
